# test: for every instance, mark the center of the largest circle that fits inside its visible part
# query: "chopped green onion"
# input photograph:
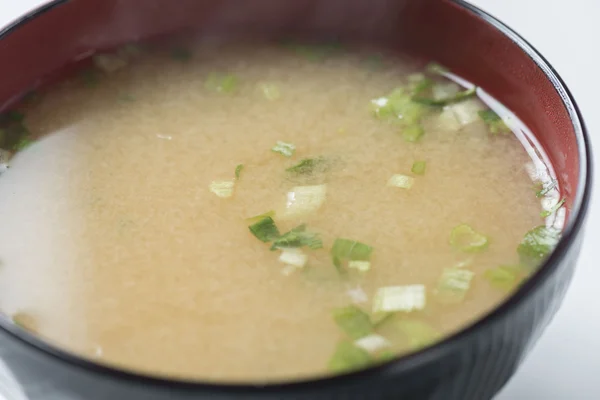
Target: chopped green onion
(418, 83)
(222, 188)
(372, 343)
(465, 238)
(460, 96)
(398, 105)
(362, 266)
(401, 181)
(181, 54)
(547, 187)
(495, 124)
(260, 217)
(381, 318)
(465, 112)
(293, 257)
(419, 334)
(349, 250)
(357, 295)
(13, 116)
(504, 277)
(413, 133)
(444, 90)
(348, 357)
(298, 237)
(399, 298)
(265, 230)
(283, 148)
(419, 167)
(223, 83)
(22, 144)
(25, 321)
(537, 244)
(453, 284)
(553, 209)
(270, 91)
(310, 166)
(109, 63)
(305, 199)
(353, 321)
(434, 68)
(238, 171)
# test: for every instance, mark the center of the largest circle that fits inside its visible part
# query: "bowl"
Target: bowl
(472, 364)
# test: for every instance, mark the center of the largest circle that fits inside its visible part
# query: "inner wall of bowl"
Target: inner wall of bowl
(439, 30)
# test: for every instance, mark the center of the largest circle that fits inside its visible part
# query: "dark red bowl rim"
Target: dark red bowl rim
(412, 361)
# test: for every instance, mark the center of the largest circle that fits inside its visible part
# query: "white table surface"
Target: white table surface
(566, 362)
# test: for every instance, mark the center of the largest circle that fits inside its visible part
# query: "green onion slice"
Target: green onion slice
(466, 239)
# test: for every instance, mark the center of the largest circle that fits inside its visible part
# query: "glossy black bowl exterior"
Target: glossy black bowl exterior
(470, 365)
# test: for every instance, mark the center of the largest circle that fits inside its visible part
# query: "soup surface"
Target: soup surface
(125, 224)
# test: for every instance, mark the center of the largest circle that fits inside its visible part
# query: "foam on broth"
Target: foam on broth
(113, 242)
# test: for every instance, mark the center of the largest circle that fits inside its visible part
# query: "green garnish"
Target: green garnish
(437, 69)
(25, 321)
(349, 357)
(223, 83)
(298, 237)
(222, 189)
(458, 97)
(353, 321)
(265, 230)
(23, 143)
(309, 166)
(270, 91)
(418, 83)
(14, 135)
(349, 250)
(537, 244)
(453, 284)
(181, 54)
(419, 167)
(14, 116)
(553, 209)
(413, 133)
(419, 334)
(546, 188)
(260, 217)
(399, 106)
(406, 298)
(495, 124)
(466, 239)
(362, 266)
(401, 181)
(283, 148)
(238, 171)
(504, 277)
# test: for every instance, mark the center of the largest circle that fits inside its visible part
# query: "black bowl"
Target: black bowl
(472, 364)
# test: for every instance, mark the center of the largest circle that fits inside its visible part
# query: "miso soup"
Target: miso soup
(262, 212)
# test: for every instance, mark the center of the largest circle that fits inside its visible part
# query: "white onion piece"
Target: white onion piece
(293, 257)
(399, 298)
(372, 343)
(305, 199)
(222, 189)
(466, 111)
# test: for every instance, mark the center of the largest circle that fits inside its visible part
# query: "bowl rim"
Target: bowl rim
(400, 365)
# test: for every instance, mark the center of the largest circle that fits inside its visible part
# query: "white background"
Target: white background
(566, 362)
